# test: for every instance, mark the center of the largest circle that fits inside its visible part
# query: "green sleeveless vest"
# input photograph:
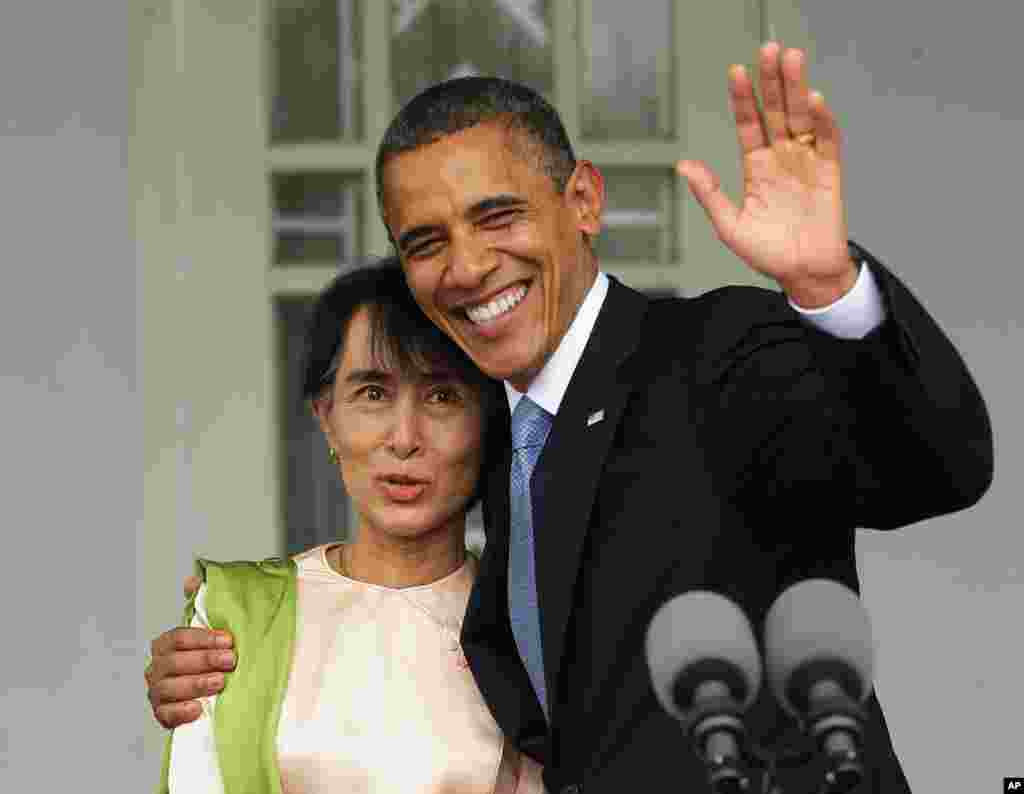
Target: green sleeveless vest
(256, 602)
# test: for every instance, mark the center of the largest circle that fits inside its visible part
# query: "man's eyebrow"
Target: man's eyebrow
(503, 201)
(499, 202)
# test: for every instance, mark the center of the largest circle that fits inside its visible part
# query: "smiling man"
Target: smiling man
(731, 442)
(495, 255)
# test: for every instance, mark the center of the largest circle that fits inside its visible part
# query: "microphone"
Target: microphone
(819, 660)
(706, 672)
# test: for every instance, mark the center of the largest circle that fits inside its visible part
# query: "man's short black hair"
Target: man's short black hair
(456, 105)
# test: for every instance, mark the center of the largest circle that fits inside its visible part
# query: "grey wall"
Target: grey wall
(930, 96)
(71, 422)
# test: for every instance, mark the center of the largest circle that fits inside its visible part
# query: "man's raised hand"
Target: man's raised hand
(792, 223)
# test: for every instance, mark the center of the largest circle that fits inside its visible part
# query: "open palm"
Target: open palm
(791, 225)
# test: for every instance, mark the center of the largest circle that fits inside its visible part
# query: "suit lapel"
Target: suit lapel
(565, 481)
(487, 612)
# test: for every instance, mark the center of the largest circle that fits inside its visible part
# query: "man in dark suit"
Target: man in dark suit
(732, 442)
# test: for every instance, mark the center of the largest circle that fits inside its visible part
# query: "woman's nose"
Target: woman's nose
(405, 433)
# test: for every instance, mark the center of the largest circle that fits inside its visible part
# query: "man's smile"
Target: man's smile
(497, 306)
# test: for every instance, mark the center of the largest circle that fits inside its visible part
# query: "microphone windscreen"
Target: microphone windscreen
(701, 631)
(817, 624)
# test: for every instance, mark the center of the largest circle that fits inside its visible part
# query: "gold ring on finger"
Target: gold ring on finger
(806, 139)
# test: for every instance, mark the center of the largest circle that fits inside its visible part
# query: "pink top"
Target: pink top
(380, 699)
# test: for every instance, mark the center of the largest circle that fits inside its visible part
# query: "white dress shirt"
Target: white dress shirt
(853, 316)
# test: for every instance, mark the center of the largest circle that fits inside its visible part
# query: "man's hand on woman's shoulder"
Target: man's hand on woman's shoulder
(188, 663)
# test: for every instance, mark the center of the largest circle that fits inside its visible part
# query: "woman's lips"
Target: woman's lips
(401, 491)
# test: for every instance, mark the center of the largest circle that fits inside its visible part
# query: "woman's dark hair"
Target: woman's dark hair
(401, 336)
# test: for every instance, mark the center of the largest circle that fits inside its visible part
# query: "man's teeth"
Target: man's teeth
(497, 307)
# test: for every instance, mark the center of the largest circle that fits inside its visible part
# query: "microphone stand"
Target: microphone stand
(835, 723)
(718, 735)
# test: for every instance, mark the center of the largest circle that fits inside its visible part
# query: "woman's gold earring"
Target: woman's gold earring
(332, 455)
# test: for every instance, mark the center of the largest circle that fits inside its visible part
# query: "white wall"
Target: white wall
(72, 699)
(930, 97)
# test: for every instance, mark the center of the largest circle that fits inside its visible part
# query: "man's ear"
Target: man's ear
(585, 194)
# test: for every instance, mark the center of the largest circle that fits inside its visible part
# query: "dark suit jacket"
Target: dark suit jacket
(739, 451)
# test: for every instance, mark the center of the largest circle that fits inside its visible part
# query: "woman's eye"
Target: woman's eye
(372, 393)
(445, 395)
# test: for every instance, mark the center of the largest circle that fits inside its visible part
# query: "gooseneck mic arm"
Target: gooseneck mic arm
(819, 658)
(706, 671)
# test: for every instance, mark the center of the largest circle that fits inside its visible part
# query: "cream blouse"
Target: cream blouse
(379, 700)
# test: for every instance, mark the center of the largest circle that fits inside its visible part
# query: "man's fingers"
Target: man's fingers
(829, 139)
(773, 92)
(706, 189)
(182, 663)
(794, 78)
(184, 688)
(192, 584)
(749, 129)
(189, 639)
(172, 715)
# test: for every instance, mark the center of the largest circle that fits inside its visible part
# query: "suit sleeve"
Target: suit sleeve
(876, 432)
(920, 436)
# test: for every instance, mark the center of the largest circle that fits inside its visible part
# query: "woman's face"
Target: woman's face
(409, 445)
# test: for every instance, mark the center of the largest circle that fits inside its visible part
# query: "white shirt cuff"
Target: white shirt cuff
(859, 312)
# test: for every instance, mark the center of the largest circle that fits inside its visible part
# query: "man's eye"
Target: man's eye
(425, 248)
(372, 393)
(499, 219)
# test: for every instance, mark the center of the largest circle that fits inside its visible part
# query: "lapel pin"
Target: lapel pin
(595, 417)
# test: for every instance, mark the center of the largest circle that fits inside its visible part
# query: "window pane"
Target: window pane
(316, 218)
(314, 69)
(434, 40)
(627, 69)
(315, 504)
(638, 217)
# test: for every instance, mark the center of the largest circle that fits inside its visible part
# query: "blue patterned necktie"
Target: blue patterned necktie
(530, 426)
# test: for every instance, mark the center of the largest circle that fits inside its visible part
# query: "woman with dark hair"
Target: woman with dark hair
(349, 675)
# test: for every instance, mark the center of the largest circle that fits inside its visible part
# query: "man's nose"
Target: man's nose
(469, 262)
